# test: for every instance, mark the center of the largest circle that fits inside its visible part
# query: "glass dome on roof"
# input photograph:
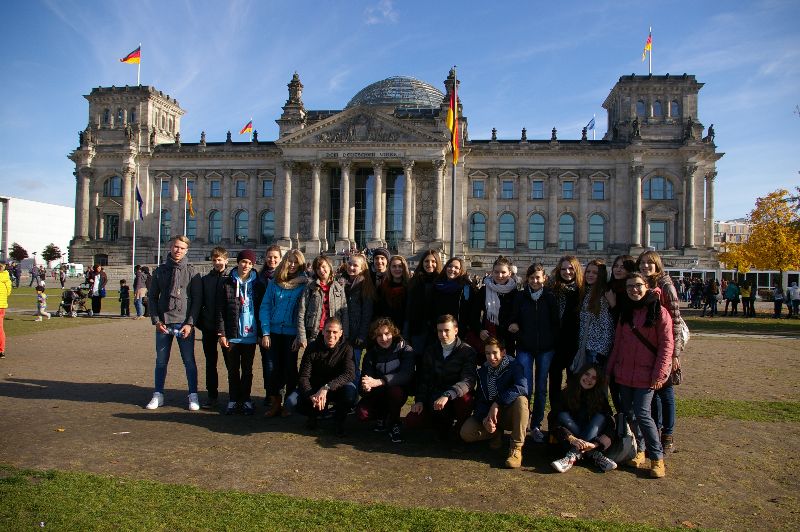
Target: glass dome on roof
(399, 91)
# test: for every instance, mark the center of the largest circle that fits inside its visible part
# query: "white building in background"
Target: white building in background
(732, 231)
(34, 225)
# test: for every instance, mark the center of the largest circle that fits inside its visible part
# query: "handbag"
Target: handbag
(675, 377)
(102, 292)
(684, 332)
(623, 448)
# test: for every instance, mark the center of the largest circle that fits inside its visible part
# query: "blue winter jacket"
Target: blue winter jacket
(511, 383)
(278, 313)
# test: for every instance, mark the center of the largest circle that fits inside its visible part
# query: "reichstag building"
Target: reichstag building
(378, 173)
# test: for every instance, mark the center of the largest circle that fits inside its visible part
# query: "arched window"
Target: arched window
(191, 226)
(657, 110)
(674, 109)
(106, 116)
(566, 232)
(536, 231)
(112, 188)
(658, 188)
(640, 108)
(597, 232)
(166, 225)
(268, 227)
(477, 231)
(120, 117)
(240, 223)
(163, 121)
(506, 236)
(132, 115)
(214, 227)
(171, 125)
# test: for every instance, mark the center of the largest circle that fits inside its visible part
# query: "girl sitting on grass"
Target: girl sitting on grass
(585, 422)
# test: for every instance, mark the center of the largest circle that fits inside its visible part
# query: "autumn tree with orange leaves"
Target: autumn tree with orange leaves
(774, 240)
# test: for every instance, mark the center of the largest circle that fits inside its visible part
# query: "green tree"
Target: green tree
(51, 252)
(774, 240)
(18, 253)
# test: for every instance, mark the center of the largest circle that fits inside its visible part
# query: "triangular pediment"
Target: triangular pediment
(360, 125)
(108, 203)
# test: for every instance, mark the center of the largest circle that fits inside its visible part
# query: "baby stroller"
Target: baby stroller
(73, 301)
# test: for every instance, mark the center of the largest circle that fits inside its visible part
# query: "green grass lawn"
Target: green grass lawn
(79, 501)
(726, 324)
(739, 410)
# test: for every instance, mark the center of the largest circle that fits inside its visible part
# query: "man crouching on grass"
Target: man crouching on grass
(326, 374)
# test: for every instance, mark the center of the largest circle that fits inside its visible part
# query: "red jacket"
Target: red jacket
(631, 362)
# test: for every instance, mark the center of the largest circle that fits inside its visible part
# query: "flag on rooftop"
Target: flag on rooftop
(590, 125)
(452, 119)
(248, 128)
(648, 46)
(140, 202)
(189, 203)
(133, 57)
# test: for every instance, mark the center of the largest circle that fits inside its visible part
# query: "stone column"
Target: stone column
(583, 212)
(405, 247)
(710, 209)
(690, 211)
(351, 218)
(254, 225)
(636, 215)
(551, 244)
(438, 200)
(344, 202)
(285, 239)
(94, 216)
(680, 240)
(313, 246)
(491, 217)
(127, 192)
(378, 236)
(82, 179)
(227, 187)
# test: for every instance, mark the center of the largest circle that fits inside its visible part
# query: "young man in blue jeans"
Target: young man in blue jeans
(175, 298)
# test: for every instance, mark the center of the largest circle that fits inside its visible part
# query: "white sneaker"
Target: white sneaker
(565, 464)
(603, 462)
(156, 401)
(194, 402)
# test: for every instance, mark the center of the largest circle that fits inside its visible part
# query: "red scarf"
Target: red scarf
(326, 303)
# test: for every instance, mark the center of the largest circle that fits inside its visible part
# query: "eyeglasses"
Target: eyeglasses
(638, 286)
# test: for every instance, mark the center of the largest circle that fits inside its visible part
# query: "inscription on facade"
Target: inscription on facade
(362, 154)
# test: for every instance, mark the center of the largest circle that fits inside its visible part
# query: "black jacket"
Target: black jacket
(322, 365)
(211, 283)
(537, 320)
(394, 366)
(453, 376)
(228, 307)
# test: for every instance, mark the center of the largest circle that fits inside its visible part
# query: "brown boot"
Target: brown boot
(514, 460)
(668, 443)
(637, 461)
(657, 469)
(274, 406)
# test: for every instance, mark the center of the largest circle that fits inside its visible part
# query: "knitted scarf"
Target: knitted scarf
(179, 278)
(651, 301)
(491, 377)
(493, 299)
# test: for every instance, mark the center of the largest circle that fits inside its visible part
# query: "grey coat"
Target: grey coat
(309, 310)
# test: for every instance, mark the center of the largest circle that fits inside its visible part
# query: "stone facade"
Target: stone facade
(378, 173)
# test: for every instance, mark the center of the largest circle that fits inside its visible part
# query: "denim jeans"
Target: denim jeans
(663, 409)
(542, 361)
(344, 398)
(163, 347)
(139, 307)
(588, 431)
(636, 404)
(357, 361)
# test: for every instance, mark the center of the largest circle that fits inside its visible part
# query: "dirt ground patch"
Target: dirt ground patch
(93, 382)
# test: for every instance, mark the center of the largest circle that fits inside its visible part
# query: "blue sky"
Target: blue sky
(530, 64)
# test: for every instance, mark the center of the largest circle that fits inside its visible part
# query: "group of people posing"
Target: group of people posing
(479, 361)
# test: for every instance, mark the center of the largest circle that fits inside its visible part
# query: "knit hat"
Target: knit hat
(381, 251)
(248, 254)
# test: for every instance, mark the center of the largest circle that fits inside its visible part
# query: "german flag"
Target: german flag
(189, 202)
(452, 119)
(133, 57)
(248, 128)
(648, 46)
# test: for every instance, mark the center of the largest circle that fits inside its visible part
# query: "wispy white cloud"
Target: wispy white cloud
(381, 12)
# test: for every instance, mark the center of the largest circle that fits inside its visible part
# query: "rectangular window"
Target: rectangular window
(537, 189)
(112, 227)
(190, 186)
(241, 188)
(266, 188)
(658, 234)
(215, 188)
(567, 190)
(478, 189)
(165, 188)
(598, 190)
(507, 191)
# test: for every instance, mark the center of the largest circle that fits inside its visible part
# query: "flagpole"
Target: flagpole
(594, 129)
(453, 181)
(650, 63)
(139, 66)
(160, 188)
(135, 216)
(185, 193)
